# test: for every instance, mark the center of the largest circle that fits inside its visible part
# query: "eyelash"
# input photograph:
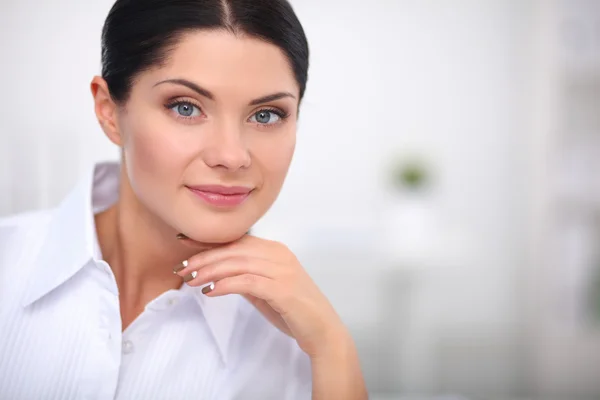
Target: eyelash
(179, 102)
(280, 113)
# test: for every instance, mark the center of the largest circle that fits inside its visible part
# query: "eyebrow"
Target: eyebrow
(206, 93)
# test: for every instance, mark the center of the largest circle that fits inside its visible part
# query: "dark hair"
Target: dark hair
(139, 34)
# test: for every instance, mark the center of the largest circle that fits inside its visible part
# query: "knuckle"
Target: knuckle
(288, 274)
(284, 252)
(243, 261)
(277, 246)
(282, 247)
(248, 280)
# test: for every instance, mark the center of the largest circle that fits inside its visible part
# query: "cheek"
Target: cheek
(274, 157)
(155, 157)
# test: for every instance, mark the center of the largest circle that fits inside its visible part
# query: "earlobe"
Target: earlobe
(106, 110)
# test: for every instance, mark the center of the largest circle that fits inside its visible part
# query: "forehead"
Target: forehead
(228, 64)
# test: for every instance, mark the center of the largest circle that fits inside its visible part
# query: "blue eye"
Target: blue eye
(185, 109)
(266, 117)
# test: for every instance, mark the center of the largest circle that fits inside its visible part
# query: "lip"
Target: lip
(221, 196)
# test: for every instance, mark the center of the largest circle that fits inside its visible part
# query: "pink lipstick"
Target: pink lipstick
(221, 196)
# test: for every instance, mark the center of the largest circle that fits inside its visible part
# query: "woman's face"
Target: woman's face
(221, 112)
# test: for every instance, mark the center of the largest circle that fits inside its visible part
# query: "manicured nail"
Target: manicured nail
(180, 267)
(208, 289)
(181, 236)
(190, 276)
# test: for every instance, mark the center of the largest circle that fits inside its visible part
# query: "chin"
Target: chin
(214, 231)
(218, 237)
(215, 228)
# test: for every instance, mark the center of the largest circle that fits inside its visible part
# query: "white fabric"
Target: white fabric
(60, 324)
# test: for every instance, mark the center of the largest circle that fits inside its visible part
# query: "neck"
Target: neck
(141, 249)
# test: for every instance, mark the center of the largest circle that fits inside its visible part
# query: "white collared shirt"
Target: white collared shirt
(60, 324)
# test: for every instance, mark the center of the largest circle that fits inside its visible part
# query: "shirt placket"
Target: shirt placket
(104, 370)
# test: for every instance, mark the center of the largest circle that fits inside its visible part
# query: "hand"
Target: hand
(268, 275)
(271, 278)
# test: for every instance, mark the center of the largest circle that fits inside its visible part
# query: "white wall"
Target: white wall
(442, 79)
(50, 52)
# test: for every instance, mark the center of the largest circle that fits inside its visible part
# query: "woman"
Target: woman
(143, 283)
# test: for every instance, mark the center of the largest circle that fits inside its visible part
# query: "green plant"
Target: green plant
(410, 175)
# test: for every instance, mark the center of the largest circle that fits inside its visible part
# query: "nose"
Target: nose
(225, 147)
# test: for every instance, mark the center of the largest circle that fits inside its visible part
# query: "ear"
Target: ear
(106, 110)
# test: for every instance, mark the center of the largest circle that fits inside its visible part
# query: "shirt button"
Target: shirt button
(127, 347)
(173, 301)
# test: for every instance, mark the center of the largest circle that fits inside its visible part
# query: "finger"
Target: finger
(248, 285)
(232, 266)
(256, 249)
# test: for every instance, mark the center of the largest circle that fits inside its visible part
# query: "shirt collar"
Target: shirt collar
(71, 243)
(68, 245)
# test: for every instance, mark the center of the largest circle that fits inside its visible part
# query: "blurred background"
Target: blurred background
(444, 193)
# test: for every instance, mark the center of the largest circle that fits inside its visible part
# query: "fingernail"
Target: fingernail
(190, 276)
(208, 289)
(181, 236)
(180, 267)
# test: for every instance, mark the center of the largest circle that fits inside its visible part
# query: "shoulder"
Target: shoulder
(25, 219)
(20, 237)
(17, 230)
